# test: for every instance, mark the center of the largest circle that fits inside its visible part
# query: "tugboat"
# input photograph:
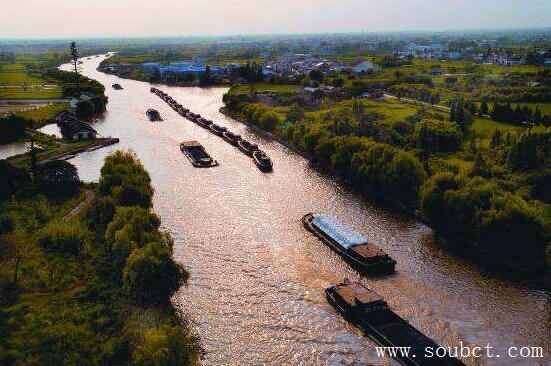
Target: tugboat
(262, 161)
(231, 137)
(117, 86)
(217, 130)
(153, 115)
(352, 246)
(246, 147)
(205, 123)
(196, 153)
(367, 310)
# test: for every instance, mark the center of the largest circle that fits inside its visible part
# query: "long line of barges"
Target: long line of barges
(260, 158)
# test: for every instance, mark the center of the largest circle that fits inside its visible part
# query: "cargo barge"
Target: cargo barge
(246, 147)
(153, 115)
(231, 137)
(368, 311)
(117, 86)
(262, 161)
(217, 130)
(196, 153)
(350, 245)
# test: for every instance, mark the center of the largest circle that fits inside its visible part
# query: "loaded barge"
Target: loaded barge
(153, 115)
(196, 153)
(262, 161)
(352, 246)
(368, 311)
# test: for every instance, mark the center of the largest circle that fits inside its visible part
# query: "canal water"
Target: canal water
(256, 293)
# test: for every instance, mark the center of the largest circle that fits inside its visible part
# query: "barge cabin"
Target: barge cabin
(217, 130)
(205, 123)
(153, 115)
(246, 147)
(196, 153)
(368, 311)
(262, 161)
(231, 137)
(352, 246)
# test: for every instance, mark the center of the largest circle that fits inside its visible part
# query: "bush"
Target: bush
(85, 109)
(476, 210)
(434, 135)
(268, 120)
(131, 228)
(13, 178)
(532, 150)
(151, 276)
(58, 177)
(64, 238)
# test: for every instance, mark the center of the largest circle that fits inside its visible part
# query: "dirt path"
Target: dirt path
(78, 209)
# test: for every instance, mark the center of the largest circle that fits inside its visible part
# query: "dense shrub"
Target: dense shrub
(476, 210)
(13, 178)
(131, 228)
(125, 179)
(531, 150)
(268, 120)
(151, 276)
(85, 109)
(58, 177)
(434, 135)
(64, 238)
(13, 128)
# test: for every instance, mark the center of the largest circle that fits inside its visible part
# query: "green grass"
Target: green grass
(485, 128)
(265, 87)
(30, 93)
(15, 74)
(44, 114)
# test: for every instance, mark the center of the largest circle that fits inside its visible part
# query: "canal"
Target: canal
(256, 293)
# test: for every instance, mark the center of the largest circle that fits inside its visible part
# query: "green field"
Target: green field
(15, 74)
(265, 87)
(46, 113)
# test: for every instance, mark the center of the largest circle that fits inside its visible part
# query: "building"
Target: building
(73, 128)
(363, 67)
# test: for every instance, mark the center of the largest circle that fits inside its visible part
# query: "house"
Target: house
(436, 71)
(363, 67)
(73, 128)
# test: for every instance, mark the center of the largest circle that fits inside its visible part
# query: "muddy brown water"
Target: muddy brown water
(256, 293)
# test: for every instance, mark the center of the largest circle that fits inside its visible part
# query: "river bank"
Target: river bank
(500, 265)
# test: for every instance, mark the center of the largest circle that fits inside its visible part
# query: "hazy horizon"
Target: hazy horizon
(170, 18)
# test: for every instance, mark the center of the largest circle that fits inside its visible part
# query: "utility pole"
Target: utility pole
(74, 54)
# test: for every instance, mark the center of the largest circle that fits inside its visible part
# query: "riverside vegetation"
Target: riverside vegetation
(480, 183)
(95, 286)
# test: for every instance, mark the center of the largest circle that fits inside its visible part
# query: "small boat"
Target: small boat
(367, 310)
(117, 86)
(154, 90)
(231, 137)
(246, 147)
(196, 153)
(153, 115)
(205, 123)
(217, 130)
(262, 161)
(352, 246)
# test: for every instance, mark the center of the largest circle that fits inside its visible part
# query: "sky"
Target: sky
(106, 18)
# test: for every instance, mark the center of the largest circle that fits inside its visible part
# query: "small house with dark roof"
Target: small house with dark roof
(73, 128)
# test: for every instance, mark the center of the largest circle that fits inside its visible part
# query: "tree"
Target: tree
(205, 79)
(12, 178)
(74, 55)
(269, 120)
(85, 109)
(296, 113)
(58, 177)
(316, 75)
(151, 276)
